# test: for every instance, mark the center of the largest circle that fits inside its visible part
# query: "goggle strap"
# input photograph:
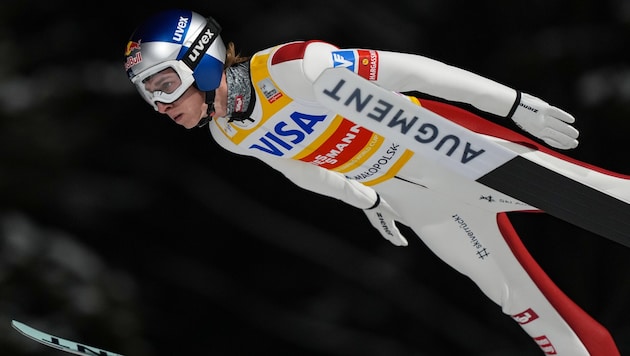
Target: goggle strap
(199, 47)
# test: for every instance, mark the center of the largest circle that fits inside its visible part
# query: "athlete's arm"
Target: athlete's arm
(333, 184)
(405, 72)
(322, 181)
(402, 72)
(309, 176)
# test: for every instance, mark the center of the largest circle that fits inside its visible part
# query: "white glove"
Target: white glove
(383, 217)
(546, 122)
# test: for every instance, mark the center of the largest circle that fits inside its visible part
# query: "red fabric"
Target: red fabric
(481, 125)
(594, 336)
(290, 52)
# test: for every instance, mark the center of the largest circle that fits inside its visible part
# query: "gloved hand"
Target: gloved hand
(546, 122)
(382, 217)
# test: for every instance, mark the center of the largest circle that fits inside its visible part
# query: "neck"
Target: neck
(240, 98)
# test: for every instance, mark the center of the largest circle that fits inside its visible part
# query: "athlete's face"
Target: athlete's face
(187, 110)
(191, 107)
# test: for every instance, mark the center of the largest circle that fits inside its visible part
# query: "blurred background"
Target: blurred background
(122, 230)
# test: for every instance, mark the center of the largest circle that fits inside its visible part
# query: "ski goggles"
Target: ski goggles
(164, 82)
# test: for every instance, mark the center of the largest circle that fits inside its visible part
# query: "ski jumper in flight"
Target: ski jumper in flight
(264, 106)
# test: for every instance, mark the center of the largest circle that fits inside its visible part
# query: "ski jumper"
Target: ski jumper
(461, 221)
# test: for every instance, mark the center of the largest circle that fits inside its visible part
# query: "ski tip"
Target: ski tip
(26, 330)
(59, 343)
(18, 325)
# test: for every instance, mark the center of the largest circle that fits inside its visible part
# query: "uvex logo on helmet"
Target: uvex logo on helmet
(202, 45)
(181, 28)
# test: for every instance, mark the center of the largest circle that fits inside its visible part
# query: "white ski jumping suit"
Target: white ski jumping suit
(461, 221)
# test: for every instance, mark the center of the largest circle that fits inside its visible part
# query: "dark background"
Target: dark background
(124, 231)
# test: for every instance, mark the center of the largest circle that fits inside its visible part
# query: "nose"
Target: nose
(162, 107)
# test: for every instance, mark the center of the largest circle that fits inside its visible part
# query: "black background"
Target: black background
(122, 230)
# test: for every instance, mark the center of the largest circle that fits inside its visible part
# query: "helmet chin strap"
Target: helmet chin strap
(210, 101)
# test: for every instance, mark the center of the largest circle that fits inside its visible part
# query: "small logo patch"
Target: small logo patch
(525, 317)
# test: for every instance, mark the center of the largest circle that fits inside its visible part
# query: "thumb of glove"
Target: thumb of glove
(383, 218)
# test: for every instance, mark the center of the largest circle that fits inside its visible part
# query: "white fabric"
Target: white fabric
(546, 122)
(383, 218)
(454, 217)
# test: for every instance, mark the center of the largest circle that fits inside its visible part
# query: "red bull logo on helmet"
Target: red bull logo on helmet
(133, 54)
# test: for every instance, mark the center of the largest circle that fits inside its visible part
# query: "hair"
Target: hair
(232, 58)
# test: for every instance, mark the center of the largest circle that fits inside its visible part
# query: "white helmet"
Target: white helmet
(181, 40)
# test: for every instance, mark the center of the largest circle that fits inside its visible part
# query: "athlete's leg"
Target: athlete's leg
(482, 245)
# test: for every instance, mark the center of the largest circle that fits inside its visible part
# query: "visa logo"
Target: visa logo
(345, 59)
(287, 134)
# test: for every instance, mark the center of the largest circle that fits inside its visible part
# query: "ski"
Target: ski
(594, 201)
(59, 343)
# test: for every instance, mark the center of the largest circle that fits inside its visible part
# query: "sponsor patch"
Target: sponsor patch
(238, 103)
(344, 59)
(545, 345)
(368, 64)
(525, 317)
(269, 90)
(362, 62)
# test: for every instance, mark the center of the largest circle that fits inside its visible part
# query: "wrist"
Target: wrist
(376, 203)
(517, 102)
